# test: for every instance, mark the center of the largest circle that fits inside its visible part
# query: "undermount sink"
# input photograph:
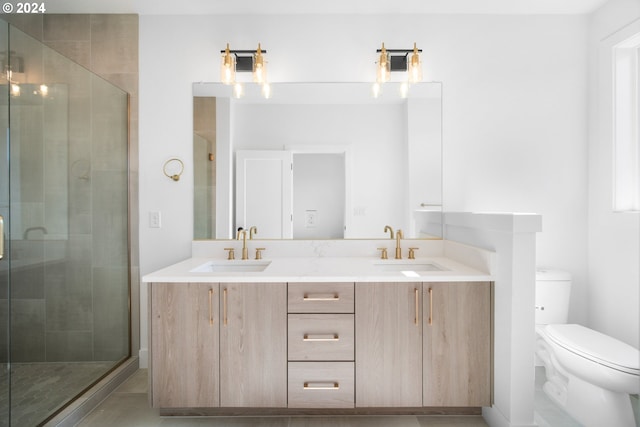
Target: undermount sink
(408, 268)
(232, 266)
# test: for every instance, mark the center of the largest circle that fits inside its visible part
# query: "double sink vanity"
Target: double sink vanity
(322, 327)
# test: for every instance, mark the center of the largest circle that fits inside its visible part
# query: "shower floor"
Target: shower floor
(39, 389)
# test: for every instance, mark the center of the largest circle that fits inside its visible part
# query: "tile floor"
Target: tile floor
(32, 399)
(128, 406)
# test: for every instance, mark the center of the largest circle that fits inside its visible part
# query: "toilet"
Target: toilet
(588, 373)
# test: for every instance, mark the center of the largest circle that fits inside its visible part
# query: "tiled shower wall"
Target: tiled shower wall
(107, 45)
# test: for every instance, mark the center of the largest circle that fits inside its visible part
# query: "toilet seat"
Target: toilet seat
(596, 347)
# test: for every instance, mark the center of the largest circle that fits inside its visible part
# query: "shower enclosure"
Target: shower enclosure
(64, 272)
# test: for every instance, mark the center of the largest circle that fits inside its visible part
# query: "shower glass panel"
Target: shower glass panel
(64, 278)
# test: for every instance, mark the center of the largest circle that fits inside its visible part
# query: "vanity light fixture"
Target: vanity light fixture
(398, 60)
(239, 61)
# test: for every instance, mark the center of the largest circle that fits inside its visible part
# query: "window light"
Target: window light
(626, 132)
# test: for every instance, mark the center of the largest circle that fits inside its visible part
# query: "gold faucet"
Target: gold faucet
(253, 230)
(398, 249)
(389, 229)
(245, 251)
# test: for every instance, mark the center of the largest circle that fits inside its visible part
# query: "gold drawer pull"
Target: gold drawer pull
(210, 306)
(417, 300)
(322, 386)
(321, 337)
(321, 297)
(430, 306)
(224, 305)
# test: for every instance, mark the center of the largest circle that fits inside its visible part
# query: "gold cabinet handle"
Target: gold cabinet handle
(430, 306)
(322, 386)
(417, 301)
(320, 337)
(1, 237)
(224, 305)
(211, 306)
(321, 297)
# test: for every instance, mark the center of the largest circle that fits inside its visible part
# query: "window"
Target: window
(626, 119)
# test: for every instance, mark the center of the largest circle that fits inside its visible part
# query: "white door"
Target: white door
(264, 193)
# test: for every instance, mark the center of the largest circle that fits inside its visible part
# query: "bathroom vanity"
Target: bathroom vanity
(318, 334)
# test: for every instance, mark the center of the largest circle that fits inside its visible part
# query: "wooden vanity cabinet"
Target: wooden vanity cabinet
(218, 345)
(184, 345)
(253, 345)
(457, 344)
(388, 345)
(320, 345)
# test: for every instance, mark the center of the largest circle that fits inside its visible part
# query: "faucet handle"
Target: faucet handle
(259, 253)
(412, 253)
(383, 254)
(231, 253)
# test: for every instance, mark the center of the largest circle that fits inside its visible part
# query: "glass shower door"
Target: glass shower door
(64, 277)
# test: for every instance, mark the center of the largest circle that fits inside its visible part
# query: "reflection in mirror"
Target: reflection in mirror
(317, 160)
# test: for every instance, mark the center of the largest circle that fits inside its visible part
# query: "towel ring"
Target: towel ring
(171, 169)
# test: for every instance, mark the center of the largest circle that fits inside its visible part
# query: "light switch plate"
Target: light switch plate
(154, 220)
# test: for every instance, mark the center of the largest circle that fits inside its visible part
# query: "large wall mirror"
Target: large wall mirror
(317, 161)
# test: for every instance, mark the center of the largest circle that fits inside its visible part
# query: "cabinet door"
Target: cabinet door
(457, 344)
(184, 345)
(388, 344)
(253, 345)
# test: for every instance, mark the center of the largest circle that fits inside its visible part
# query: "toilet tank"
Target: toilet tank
(553, 288)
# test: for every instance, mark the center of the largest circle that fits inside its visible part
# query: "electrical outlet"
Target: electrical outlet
(310, 218)
(154, 220)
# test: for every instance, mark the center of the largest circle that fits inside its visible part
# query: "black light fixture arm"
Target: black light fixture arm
(388, 50)
(241, 51)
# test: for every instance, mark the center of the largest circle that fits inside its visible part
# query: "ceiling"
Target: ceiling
(224, 7)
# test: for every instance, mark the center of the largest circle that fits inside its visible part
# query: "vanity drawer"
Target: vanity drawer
(321, 385)
(321, 336)
(320, 297)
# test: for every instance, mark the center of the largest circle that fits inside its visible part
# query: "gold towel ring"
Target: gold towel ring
(173, 172)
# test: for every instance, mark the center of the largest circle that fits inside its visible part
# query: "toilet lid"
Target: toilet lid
(596, 346)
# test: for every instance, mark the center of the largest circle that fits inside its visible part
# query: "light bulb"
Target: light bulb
(376, 89)
(404, 89)
(415, 67)
(266, 90)
(259, 67)
(383, 70)
(228, 67)
(237, 90)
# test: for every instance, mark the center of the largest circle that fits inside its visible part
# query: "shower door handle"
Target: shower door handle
(1, 237)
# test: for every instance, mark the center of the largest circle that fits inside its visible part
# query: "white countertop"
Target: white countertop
(322, 269)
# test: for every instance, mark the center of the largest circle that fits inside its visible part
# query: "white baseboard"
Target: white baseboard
(495, 418)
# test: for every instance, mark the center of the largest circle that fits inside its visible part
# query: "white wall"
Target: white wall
(614, 238)
(318, 190)
(514, 118)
